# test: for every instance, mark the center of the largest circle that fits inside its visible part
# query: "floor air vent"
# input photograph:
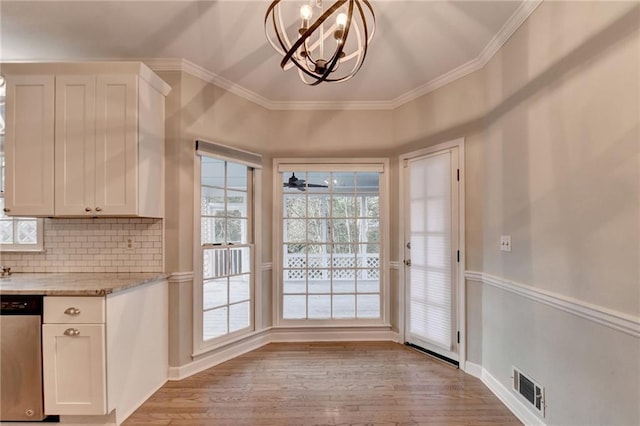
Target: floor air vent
(531, 391)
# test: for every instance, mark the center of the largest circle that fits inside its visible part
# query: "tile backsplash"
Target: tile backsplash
(94, 245)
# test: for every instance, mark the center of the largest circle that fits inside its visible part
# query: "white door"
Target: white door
(432, 252)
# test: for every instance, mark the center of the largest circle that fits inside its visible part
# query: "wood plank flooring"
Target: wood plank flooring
(360, 383)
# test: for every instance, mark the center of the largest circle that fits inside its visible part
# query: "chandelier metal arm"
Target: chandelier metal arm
(336, 55)
(366, 37)
(301, 52)
(271, 10)
(290, 53)
(310, 31)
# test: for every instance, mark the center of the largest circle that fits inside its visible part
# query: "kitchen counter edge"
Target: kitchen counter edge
(75, 284)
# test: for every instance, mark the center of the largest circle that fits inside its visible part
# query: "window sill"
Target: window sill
(18, 249)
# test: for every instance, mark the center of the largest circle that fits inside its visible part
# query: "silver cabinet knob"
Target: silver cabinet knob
(87, 209)
(72, 332)
(72, 311)
(98, 209)
(407, 262)
(6, 210)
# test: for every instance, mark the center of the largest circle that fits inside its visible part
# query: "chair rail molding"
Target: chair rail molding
(180, 277)
(628, 324)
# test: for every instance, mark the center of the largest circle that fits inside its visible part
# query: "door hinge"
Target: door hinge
(458, 256)
(405, 163)
(458, 175)
(458, 337)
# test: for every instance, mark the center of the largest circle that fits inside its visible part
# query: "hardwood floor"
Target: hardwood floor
(363, 383)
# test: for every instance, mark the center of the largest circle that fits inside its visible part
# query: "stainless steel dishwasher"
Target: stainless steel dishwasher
(21, 358)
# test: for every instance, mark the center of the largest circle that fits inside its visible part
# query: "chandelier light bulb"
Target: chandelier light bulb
(341, 20)
(306, 12)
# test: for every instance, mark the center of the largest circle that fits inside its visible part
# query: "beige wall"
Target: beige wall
(562, 141)
(198, 110)
(551, 128)
(552, 135)
(330, 133)
(561, 176)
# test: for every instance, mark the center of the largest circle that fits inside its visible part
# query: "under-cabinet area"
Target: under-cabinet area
(84, 140)
(98, 334)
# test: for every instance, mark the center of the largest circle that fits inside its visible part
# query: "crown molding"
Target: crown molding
(331, 105)
(518, 18)
(184, 65)
(514, 22)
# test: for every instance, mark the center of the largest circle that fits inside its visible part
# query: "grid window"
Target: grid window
(227, 248)
(331, 246)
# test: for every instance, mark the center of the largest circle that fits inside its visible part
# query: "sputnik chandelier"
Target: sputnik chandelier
(330, 48)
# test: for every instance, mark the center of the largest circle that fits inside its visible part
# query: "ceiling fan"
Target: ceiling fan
(300, 184)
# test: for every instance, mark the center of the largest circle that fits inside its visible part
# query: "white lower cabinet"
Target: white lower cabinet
(74, 354)
(74, 369)
(103, 356)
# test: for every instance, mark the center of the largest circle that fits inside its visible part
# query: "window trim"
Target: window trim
(368, 164)
(226, 153)
(37, 247)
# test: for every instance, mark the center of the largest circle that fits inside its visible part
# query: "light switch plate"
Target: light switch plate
(505, 242)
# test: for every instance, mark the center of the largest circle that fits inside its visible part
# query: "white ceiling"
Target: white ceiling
(417, 43)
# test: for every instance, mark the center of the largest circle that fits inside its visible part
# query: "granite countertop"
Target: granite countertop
(75, 284)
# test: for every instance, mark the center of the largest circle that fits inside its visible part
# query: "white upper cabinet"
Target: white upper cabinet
(75, 144)
(109, 140)
(29, 143)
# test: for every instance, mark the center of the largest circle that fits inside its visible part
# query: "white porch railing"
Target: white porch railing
(364, 266)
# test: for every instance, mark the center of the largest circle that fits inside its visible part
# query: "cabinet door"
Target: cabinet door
(74, 372)
(75, 145)
(117, 145)
(29, 145)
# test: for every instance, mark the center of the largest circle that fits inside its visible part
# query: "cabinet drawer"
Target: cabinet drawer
(73, 310)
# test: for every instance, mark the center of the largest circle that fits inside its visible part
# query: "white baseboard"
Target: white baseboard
(505, 395)
(219, 356)
(473, 369)
(279, 335)
(283, 335)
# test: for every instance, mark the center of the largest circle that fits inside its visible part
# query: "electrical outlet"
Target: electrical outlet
(505, 242)
(130, 244)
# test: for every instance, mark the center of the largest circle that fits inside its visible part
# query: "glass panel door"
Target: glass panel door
(432, 251)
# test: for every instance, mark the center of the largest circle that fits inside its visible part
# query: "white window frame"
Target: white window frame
(330, 165)
(254, 161)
